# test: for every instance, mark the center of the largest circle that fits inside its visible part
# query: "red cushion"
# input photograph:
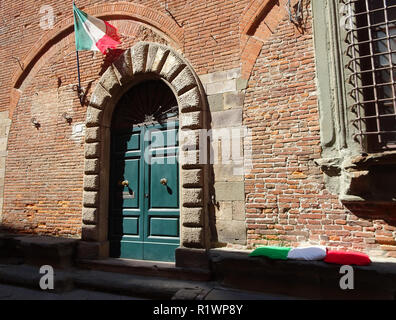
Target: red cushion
(347, 258)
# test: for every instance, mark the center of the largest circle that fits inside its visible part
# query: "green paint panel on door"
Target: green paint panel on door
(126, 226)
(127, 142)
(144, 219)
(159, 251)
(129, 172)
(164, 226)
(127, 249)
(164, 138)
(164, 182)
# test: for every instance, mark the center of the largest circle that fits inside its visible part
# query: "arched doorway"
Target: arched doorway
(144, 206)
(146, 60)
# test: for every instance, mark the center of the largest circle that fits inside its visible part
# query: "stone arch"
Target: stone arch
(254, 32)
(253, 13)
(146, 60)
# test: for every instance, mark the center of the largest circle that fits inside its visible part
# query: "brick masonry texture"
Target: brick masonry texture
(286, 201)
(44, 189)
(256, 67)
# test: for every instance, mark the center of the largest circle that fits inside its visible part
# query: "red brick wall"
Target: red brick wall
(44, 175)
(287, 202)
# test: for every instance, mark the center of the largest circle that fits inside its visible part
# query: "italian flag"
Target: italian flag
(93, 34)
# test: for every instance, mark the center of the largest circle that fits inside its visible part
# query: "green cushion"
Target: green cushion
(271, 252)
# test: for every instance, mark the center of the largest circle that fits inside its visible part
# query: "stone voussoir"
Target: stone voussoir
(123, 69)
(192, 120)
(183, 81)
(139, 57)
(172, 66)
(90, 232)
(92, 134)
(91, 166)
(193, 178)
(94, 117)
(90, 215)
(159, 60)
(193, 237)
(192, 197)
(189, 139)
(109, 81)
(92, 150)
(190, 159)
(90, 199)
(151, 55)
(100, 97)
(190, 100)
(193, 217)
(91, 182)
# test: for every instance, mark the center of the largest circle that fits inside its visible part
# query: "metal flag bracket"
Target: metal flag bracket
(80, 92)
(78, 88)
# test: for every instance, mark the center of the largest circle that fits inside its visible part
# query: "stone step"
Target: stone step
(38, 250)
(10, 246)
(145, 268)
(131, 285)
(57, 252)
(62, 253)
(29, 277)
(138, 285)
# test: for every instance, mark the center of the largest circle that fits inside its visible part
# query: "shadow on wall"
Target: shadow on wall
(111, 56)
(370, 211)
(212, 202)
(375, 188)
(6, 229)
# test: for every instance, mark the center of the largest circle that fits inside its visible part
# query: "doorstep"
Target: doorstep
(145, 268)
(38, 250)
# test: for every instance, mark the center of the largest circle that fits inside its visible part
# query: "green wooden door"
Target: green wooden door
(144, 193)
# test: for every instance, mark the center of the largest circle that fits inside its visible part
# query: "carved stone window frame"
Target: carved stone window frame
(349, 171)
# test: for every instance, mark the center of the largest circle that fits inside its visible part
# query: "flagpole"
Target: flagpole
(79, 89)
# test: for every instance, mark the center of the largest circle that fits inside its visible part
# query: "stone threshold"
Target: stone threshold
(145, 268)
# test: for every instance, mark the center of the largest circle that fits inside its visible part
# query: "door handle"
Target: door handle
(124, 183)
(164, 181)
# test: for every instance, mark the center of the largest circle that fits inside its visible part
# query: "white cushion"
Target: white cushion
(307, 253)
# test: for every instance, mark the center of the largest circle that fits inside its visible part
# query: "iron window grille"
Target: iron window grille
(371, 53)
